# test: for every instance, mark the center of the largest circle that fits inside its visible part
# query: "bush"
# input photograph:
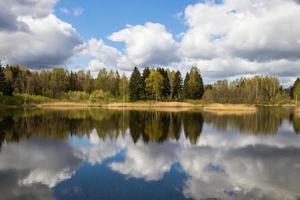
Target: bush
(76, 96)
(36, 99)
(10, 100)
(100, 95)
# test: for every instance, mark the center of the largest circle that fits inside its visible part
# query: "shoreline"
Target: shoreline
(162, 106)
(144, 105)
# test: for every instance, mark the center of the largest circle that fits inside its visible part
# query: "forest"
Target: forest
(158, 84)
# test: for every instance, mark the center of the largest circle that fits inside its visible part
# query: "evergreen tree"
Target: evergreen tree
(186, 86)
(145, 93)
(194, 85)
(2, 79)
(177, 87)
(135, 85)
(5, 84)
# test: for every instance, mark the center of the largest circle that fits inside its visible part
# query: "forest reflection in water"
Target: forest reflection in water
(146, 125)
(98, 153)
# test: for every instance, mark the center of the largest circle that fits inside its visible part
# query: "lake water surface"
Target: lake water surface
(105, 154)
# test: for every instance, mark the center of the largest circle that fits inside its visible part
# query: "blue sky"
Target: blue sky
(261, 37)
(101, 18)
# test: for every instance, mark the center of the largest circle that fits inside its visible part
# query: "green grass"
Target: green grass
(19, 99)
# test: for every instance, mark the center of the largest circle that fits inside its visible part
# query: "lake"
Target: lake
(123, 154)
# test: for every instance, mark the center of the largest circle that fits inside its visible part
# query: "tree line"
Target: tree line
(60, 82)
(165, 85)
(150, 84)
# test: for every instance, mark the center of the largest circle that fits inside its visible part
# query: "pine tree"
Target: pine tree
(177, 87)
(145, 93)
(2, 79)
(186, 90)
(193, 84)
(5, 85)
(135, 85)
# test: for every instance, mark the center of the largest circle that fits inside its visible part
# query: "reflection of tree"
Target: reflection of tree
(157, 126)
(136, 125)
(149, 126)
(175, 126)
(265, 121)
(61, 124)
(192, 125)
(296, 122)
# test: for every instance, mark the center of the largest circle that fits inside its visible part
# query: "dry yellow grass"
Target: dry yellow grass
(152, 105)
(159, 106)
(63, 105)
(229, 112)
(160, 109)
(230, 107)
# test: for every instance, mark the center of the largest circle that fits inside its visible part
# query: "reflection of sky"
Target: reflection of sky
(223, 164)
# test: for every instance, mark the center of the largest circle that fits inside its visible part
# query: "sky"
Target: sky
(225, 39)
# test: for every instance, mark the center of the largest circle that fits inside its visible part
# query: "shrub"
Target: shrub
(10, 100)
(76, 96)
(100, 95)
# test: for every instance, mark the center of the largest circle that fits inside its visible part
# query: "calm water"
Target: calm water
(101, 154)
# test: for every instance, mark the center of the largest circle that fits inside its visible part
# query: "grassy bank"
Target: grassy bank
(21, 100)
(161, 106)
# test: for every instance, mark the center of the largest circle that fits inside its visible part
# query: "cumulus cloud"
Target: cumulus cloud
(149, 44)
(36, 38)
(256, 30)
(235, 38)
(100, 51)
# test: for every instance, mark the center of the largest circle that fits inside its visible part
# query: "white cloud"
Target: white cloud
(149, 44)
(99, 50)
(36, 38)
(239, 38)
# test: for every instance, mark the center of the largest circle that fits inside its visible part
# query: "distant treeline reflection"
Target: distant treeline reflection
(150, 126)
